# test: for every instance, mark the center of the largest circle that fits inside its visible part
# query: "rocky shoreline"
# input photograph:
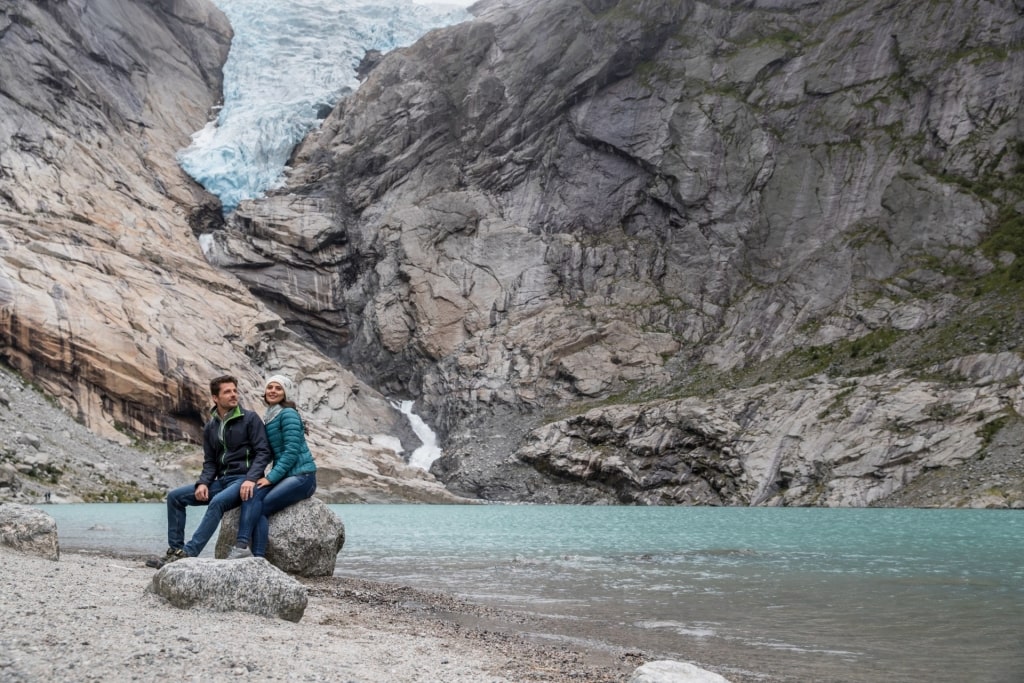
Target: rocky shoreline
(89, 617)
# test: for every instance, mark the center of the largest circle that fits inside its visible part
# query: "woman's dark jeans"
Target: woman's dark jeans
(254, 525)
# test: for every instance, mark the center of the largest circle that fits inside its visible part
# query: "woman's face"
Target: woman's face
(274, 394)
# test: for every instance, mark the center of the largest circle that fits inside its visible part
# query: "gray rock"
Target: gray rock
(813, 442)
(250, 585)
(28, 440)
(9, 478)
(28, 530)
(670, 671)
(305, 538)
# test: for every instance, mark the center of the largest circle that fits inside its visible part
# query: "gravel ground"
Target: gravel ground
(992, 478)
(44, 451)
(89, 618)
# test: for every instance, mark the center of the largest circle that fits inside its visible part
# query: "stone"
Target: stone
(9, 477)
(30, 440)
(305, 538)
(28, 530)
(249, 585)
(670, 671)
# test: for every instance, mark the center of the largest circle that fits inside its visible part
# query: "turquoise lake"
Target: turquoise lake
(804, 593)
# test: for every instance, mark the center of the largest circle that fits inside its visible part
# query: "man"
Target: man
(235, 455)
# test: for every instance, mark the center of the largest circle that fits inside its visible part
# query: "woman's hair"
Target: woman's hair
(290, 404)
(284, 403)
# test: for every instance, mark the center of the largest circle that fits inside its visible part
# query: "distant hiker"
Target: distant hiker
(235, 455)
(293, 477)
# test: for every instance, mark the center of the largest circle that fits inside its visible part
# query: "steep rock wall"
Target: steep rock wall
(106, 301)
(562, 201)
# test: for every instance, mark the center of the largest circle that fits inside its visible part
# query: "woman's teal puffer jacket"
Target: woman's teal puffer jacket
(288, 443)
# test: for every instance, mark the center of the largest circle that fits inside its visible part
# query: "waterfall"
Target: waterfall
(424, 456)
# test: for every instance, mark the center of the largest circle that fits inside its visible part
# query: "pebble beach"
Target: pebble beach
(89, 617)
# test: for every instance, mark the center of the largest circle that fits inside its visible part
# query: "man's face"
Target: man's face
(227, 399)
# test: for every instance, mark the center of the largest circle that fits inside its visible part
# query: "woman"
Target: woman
(291, 479)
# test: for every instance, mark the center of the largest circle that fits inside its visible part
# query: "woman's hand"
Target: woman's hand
(261, 482)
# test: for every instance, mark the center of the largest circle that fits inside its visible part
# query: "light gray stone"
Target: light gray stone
(629, 210)
(250, 585)
(670, 671)
(30, 440)
(9, 477)
(29, 530)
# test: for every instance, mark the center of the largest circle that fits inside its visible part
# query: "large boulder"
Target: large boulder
(670, 671)
(250, 585)
(28, 530)
(305, 538)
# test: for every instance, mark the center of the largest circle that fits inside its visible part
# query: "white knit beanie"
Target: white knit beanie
(283, 381)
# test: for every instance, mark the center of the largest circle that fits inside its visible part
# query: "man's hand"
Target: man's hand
(247, 489)
(202, 493)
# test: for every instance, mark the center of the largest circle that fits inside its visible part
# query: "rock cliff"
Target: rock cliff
(638, 251)
(106, 300)
(711, 220)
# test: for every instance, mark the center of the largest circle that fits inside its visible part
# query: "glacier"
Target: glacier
(289, 64)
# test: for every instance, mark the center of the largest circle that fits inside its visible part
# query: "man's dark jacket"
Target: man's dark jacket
(243, 450)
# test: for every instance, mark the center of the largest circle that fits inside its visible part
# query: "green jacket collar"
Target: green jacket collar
(237, 412)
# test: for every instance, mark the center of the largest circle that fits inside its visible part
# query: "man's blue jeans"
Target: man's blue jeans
(268, 500)
(225, 494)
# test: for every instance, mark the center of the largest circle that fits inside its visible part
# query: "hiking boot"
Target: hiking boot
(171, 555)
(239, 553)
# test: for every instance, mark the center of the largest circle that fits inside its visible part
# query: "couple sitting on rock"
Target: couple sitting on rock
(237, 448)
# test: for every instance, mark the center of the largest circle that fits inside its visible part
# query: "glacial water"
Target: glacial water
(807, 594)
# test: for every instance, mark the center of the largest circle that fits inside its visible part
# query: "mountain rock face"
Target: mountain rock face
(673, 252)
(106, 300)
(639, 251)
